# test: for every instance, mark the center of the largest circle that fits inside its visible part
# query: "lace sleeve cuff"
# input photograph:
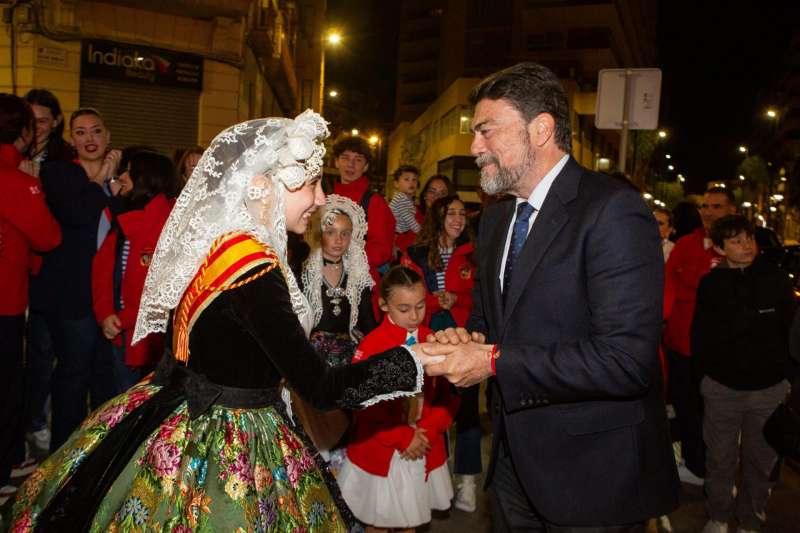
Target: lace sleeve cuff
(397, 371)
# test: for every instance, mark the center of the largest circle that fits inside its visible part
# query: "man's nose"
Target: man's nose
(477, 146)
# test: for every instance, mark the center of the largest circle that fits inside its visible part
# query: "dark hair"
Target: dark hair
(433, 227)
(728, 227)
(664, 211)
(686, 219)
(405, 168)
(723, 190)
(85, 111)
(152, 174)
(56, 148)
(441, 177)
(184, 158)
(398, 276)
(15, 117)
(532, 89)
(354, 144)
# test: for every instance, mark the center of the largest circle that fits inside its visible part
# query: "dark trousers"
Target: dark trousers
(513, 512)
(84, 367)
(468, 434)
(12, 414)
(684, 392)
(125, 376)
(38, 370)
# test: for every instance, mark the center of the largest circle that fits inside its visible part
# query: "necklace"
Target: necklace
(334, 264)
(335, 293)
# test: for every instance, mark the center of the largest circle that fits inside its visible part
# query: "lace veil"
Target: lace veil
(221, 196)
(354, 260)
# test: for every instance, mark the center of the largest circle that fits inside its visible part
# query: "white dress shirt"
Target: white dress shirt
(536, 199)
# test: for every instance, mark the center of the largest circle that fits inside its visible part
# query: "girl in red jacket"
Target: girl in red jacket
(396, 466)
(120, 266)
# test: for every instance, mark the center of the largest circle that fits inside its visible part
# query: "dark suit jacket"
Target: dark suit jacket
(578, 388)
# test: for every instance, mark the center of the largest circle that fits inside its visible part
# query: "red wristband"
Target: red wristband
(493, 355)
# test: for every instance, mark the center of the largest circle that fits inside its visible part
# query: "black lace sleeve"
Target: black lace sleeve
(265, 313)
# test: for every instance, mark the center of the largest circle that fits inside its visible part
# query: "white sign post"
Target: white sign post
(627, 99)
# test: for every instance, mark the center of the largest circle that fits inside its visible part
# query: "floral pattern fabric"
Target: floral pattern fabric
(239, 470)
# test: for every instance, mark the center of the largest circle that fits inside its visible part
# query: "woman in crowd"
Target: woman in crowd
(437, 186)
(444, 256)
(187, 162)
(149, 185)
(208, 443)
(26, 225)
(336, 281)
(49, 142)
(62, 290)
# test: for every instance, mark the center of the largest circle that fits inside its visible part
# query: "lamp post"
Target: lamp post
(332, 39)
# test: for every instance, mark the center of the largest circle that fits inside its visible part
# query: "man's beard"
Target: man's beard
(505, 179)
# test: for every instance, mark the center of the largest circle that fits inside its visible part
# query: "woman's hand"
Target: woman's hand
(418, 447)
(110, 165)
(424, 358)
(111, 326)
(29, 167)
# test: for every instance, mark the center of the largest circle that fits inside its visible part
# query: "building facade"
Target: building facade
(168, 74)
(447, 45)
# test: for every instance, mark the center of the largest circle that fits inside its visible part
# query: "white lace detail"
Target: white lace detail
(213, 203)
(401, 394)
(354, 261)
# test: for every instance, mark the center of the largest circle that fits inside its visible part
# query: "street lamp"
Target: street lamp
(354, 132)
(741, 177)
(747, 205)
(334, 38)
(771, 113)
(671, 167)
(333, 93)
(662, 134)
(743, 148)
(668, 156)
(374, 139)
(681, 178)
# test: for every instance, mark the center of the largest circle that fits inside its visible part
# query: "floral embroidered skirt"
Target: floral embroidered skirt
(141, 463)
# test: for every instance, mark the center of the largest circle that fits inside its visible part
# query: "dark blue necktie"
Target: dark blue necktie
(518, 236)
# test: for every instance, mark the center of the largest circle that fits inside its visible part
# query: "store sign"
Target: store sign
(140, 64)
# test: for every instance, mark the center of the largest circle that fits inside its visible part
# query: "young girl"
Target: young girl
(396, 466)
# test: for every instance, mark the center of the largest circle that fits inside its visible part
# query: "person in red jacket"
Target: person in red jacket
(120, 266)
(692, 257)
(444, 257)
(396, 467)
(26, 225)
(352, 157)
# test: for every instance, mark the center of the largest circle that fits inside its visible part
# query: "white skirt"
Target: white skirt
(403, 499)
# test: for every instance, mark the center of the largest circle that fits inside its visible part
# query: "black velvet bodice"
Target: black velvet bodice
(341, 323)
(250, 337)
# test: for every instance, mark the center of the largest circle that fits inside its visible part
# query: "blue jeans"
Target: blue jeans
(38, 370)
(125, 376)
(84, 367)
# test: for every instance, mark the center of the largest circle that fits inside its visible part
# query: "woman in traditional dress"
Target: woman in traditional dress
(207, 444)
(336, 281)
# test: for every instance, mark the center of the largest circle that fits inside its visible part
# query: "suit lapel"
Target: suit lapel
(497, 237)
(548, 224)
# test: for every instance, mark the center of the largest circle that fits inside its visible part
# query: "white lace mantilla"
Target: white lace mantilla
(214, 202)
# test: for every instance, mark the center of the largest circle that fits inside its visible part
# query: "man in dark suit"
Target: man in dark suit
(568, 297)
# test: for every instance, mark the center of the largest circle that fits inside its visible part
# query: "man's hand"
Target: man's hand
(424, 358)
(467, 363)
(456, 336)
(418, 447)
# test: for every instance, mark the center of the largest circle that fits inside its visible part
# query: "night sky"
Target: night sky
(719, 60)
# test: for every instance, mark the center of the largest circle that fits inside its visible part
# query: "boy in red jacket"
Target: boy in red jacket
(396, 467)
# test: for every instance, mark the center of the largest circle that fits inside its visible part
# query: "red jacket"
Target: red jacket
(380, 224)
(383, 428)
(688, 262)
(403, 240)
(458, 278)
(142, 228)
(26, 225)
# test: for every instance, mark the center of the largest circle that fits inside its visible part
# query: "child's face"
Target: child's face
(407, 183)
(336, 238)
(740, 250)
(405, 306)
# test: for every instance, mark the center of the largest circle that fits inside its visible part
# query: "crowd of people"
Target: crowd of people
(111, 283)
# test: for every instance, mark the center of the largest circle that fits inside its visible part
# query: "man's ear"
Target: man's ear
(541, 129)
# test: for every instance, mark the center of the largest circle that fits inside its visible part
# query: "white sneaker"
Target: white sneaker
(687, 476)
(465, 496)
(714, 526)
(40, 439)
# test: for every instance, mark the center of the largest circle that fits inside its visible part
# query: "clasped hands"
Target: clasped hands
(459, 356)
